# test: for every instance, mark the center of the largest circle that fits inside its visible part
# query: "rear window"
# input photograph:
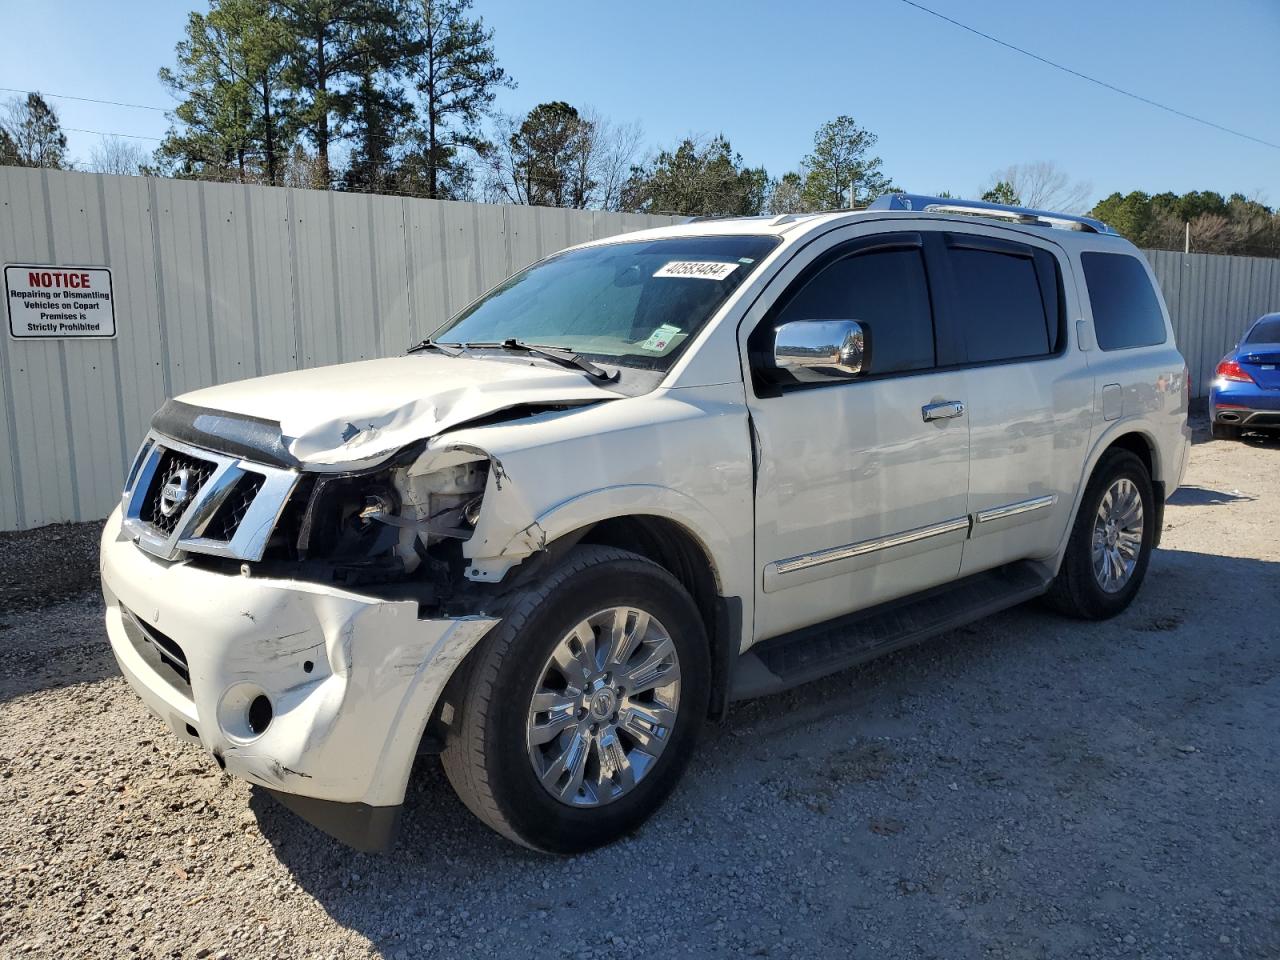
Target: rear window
(1126, 311)
(1265, 331)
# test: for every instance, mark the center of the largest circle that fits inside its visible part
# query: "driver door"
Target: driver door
(862, 486)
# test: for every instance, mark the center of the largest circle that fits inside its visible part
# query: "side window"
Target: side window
(1126, 312)
(1000, 300)
(885, 290)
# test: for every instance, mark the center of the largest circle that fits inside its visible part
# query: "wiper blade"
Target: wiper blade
(430, 344)
(565, 358)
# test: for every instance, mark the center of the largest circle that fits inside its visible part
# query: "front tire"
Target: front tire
(1111, 541)
(582, 706)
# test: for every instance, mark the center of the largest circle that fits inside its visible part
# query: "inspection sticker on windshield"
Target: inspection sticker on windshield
(702, 269)
(660, 338)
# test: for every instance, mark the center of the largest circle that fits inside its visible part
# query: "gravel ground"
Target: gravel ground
(1028, 787)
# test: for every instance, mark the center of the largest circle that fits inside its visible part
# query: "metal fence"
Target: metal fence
(216, 282)
(1211, 299)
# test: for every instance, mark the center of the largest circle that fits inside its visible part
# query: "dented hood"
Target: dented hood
(353, 412)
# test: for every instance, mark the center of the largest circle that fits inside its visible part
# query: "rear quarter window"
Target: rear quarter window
(1126, 310)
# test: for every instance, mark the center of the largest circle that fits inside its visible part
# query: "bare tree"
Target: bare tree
(612, 149)
(786, 194)
(119, 156)
(1043, 186)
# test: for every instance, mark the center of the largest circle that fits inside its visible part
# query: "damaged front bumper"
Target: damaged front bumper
(317, 694)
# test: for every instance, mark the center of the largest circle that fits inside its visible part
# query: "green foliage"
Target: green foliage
(700, 180)
(1216, 224)
(336, 47)
(31, 135)
(228, 73)
(1003, 192)
(456, 74)
(841, 162)
(546, 158)
(379, 111)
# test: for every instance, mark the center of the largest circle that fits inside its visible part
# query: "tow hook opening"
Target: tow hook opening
(259, 714)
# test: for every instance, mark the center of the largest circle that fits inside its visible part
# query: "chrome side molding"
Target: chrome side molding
(1014, 509)
(863, 547)
(967, 524)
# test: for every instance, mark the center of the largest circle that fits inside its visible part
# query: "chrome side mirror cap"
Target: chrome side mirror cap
(817, 350)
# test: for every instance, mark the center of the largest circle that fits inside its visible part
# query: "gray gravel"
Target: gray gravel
(1028, 787)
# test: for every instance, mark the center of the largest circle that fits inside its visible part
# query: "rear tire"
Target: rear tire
(530, 676)
(1225, 431)
(1106, 558)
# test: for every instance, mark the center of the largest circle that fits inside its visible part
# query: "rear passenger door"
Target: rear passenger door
(1004, 316)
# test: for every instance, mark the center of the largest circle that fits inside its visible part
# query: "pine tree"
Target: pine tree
(839, 164)
(229, 73)
(31, 135)
(457, 76)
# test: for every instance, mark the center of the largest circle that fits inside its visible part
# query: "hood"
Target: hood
(355, 412)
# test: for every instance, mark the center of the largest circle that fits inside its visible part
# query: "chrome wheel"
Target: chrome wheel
(604, 707)
(1117, 535)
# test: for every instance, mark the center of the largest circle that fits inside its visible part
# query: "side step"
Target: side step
(789, 660)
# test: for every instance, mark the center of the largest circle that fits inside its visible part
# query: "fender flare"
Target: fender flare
(1105, 441)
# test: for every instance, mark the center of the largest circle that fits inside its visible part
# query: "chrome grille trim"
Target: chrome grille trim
(249, 540)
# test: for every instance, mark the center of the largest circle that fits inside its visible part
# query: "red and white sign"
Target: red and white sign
(46, 302)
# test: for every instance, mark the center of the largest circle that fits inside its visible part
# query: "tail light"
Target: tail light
(1231, 370)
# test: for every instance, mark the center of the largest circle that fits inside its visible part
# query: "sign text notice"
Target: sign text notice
(45, 302)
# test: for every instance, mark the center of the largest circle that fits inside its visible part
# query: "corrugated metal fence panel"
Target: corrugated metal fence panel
(1212, 298)
(215, 282)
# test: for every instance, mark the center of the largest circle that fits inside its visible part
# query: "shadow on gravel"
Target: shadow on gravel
(1040, 706)
(47, 565)
(1204, 497)
(54, 645)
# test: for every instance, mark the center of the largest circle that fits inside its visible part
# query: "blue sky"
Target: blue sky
(949, 108)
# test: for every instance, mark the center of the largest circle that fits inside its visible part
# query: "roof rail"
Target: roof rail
(981, 208)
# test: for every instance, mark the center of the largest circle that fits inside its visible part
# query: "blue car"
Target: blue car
(1246, 387)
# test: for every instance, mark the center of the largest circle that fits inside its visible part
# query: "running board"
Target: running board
(789, 660)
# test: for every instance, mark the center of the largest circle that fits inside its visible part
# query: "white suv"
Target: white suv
(641, 479)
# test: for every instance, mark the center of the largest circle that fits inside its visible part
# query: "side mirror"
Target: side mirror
(812, 351)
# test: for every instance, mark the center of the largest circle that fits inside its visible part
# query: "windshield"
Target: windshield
(632, 303)
(1265, 331)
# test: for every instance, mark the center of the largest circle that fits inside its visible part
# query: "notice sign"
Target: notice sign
(52, 302)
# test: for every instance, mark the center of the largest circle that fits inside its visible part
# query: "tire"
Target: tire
(1078, 591)
(1225, 431)
(489, 754)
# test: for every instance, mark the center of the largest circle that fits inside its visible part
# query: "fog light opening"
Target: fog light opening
(259, 715)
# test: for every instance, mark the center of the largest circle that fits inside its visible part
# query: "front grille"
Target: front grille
(185, 473)
(158, 649)
(226, 521)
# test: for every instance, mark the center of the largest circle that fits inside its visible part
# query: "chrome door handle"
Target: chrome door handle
(946, 410)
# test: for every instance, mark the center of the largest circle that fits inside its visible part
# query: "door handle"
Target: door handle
(945, 410)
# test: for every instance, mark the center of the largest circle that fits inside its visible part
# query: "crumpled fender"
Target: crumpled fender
(592, 507)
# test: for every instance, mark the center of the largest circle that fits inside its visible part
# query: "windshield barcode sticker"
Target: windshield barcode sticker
(702, 269)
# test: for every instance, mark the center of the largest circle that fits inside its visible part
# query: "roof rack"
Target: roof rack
(981, 208)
